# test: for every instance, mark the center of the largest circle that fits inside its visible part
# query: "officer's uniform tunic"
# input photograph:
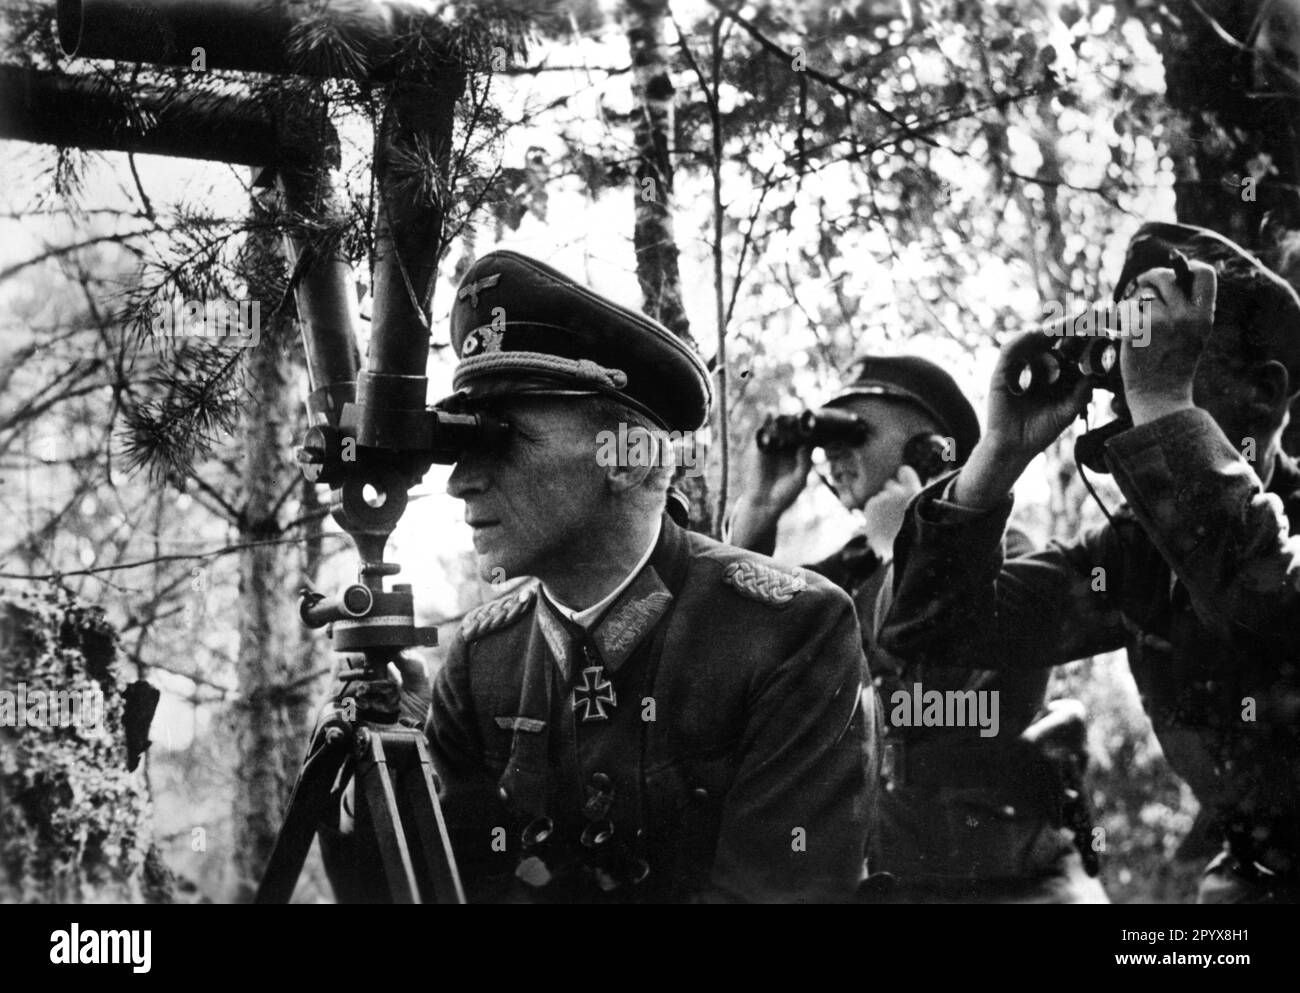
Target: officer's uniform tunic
(703, 740)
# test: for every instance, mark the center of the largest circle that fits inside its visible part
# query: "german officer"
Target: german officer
(653, 716)
(968, 813)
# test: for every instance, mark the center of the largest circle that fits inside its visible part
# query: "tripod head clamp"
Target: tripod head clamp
(369, 471)
(359, 618)
(368, 495)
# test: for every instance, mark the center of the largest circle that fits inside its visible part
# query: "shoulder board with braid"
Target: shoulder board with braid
(498, 613)
(764, 583)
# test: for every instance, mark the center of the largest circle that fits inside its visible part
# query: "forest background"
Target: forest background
(785, 184)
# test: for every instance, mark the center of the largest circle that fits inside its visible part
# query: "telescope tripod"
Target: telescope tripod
(396, 799)
(396, 796)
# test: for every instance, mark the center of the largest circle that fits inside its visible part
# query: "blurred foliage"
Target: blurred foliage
(1142, 810)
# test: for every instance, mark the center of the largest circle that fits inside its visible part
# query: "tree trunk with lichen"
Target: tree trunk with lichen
(652, 196)
(75, 817)
(273, 716)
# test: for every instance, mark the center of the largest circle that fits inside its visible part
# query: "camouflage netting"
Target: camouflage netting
(75, 824)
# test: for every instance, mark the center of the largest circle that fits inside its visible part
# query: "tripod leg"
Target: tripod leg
(376, 782)
(307, 806)
(421, 796)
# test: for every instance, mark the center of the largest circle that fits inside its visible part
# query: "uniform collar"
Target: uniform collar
(632, 614)
(584, 618)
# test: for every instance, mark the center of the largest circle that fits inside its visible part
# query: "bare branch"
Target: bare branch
(54, 253)
(177, 557)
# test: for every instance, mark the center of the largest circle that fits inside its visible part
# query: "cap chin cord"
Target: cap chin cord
(514, 362)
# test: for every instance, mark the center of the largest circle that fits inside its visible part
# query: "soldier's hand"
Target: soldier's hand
(1158, 367)
(778, 479)
(1023, 426)
(780, 476)
(416, 691)
(405, 692)
(885, 511)
(1019, 426)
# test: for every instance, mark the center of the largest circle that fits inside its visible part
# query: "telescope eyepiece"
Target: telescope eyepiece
(455, 435)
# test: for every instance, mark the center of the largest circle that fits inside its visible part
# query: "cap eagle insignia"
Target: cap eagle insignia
(472, 290)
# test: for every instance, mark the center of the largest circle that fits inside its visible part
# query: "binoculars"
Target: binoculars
(812, 429)
(1096, 358)
(1086, 342)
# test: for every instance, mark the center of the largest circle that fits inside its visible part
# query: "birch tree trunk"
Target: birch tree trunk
(652, 233)
(652, 198)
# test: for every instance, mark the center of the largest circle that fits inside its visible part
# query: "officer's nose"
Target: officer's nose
(469, 477)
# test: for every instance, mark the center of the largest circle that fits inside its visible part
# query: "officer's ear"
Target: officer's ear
(644, 453)
(1270, 391)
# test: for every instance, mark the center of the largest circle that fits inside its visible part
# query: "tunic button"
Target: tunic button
(597, 833)
(538, 832)
(699, 794)
(504, 794)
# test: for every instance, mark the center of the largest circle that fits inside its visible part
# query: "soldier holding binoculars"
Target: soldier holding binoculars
(1196, 576)
(964, 817)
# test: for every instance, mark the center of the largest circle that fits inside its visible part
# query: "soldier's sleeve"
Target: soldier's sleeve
(960, 600)
(1206, 512)
(1015, 543)
(795, 819)
(468, 793)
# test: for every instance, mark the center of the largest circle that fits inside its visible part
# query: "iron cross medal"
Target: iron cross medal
(593, 693)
